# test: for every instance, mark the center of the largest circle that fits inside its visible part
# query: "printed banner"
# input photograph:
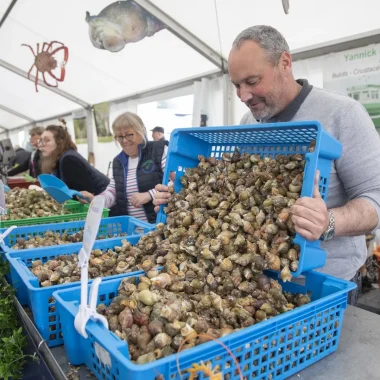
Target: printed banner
(80, 130)
(102, 122)
(356, 73)
(80, 127)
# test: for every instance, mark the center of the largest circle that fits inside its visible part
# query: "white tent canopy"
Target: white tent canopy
(94, 76)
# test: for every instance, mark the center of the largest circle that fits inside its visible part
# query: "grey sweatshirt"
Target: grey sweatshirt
(356, 174)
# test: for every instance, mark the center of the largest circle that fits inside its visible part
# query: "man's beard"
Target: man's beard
(272, 103)
(266, 113)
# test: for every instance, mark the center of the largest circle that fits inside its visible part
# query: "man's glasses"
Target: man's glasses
(128, 137)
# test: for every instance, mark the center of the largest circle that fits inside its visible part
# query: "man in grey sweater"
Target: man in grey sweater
(260, 67)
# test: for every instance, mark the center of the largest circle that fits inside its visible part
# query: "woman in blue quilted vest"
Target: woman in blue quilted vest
(136, 170)
(60, 158)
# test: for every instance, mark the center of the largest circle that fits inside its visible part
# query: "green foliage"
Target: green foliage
(12, 357)
(8, 313)
(12, 338)
(4, 269)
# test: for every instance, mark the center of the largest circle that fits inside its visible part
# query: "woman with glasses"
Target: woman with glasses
(136, 170)
(60, 157)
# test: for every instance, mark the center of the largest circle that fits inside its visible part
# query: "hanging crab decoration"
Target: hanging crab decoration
(46, 63)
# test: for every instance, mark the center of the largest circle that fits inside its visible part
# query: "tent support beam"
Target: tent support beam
(6, 14)
(18, 114)
(56, 90)
(183, 34)
(152, 92)
(168, 87)
(335, 46)
(62, 115)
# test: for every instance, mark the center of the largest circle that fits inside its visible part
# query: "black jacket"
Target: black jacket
(21, 160)
(33, 163)
(149, 174)
(163, 139)
(79, 175)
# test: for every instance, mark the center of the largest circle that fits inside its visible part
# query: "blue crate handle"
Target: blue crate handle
(139, 224)
(25, 273)
(4, 233)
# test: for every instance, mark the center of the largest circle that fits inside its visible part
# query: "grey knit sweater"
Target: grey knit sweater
(355, 175)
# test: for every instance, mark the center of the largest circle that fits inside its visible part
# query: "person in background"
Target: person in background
(60, 158)
(33, 161)
(260, 67)
(159, 134)
(136, 170)
(21, 158)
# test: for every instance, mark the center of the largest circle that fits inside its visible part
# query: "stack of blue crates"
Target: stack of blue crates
(273, 349)
(39, 299)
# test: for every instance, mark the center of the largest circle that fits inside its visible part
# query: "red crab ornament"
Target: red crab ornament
(45, 62)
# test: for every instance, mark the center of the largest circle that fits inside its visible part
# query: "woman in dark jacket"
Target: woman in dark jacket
(33, 163)
(136, 170)
(60, 157)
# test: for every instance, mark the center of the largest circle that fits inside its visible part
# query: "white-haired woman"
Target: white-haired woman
(136, 170)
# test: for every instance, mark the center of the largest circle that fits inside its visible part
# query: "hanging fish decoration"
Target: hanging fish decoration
(120, 23)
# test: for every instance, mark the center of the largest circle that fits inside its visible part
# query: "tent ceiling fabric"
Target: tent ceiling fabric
(95, 75)
(10, 121)
(19, 94)
(309, 22)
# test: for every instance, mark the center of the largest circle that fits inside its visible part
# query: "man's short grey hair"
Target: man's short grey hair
(269, 38)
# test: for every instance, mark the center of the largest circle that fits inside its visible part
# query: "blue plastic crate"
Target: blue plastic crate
(39, 299)
(273, 349)
(108, 227)
(268, 140)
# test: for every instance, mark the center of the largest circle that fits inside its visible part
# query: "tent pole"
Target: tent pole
(18, 114)
(183, 34)
(62, 93)
(167, 87)
(6, 14)
(90, 122)
(227, 101)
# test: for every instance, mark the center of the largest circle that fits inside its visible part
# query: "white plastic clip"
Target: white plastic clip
(6, 233)
(87, 311)
(87, 308)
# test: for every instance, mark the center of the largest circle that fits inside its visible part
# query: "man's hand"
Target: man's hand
(161, 196)
(310, 215)
(139, 199)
